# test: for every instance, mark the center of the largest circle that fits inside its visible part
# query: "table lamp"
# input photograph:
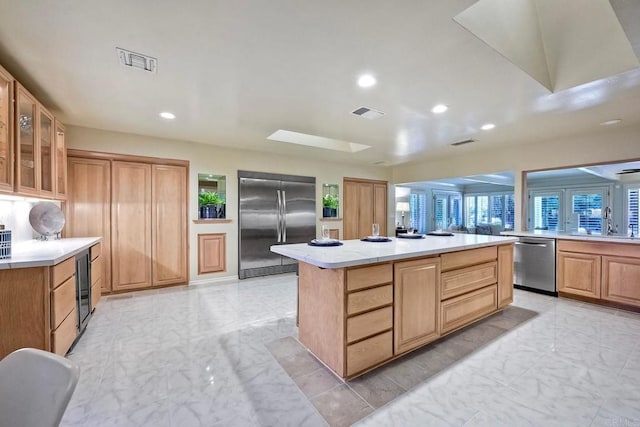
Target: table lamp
(402, 207)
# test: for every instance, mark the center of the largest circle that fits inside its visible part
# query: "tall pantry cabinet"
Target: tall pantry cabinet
(365, 204)
(146, 218)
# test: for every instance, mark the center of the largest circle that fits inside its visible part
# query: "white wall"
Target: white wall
(603, 146)
(210, 159)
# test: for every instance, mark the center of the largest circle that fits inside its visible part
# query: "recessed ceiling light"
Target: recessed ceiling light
(366, 80)
(488, 126)
(611, 122)
(167, 115)
(440, 108)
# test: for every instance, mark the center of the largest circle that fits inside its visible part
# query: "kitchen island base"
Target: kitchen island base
(355, 319)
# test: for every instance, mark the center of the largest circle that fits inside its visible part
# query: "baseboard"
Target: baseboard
(214, 280)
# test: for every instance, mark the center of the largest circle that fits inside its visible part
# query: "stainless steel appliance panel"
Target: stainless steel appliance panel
(299, 213)
(273, 209)
(535, 264)
(259, 222)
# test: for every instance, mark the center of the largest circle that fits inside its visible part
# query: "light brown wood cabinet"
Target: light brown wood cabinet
(88, 207)
(131, 226)
(365, 203)
(579, 274)
(621, 280)
(169, 224)
(27, 158)
(357, 318)
(6, 131)
(505, 275)
(605, 273)
(60, 162)
(143, 216)
(416, 303)
(212, 249)
(97, 274)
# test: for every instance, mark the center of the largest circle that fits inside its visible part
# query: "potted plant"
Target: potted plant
(329, 206)
(208, 202)
(222, 207)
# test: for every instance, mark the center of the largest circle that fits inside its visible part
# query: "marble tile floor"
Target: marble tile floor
(227, 355)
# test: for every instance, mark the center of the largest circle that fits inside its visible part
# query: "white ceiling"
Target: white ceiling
(234, 72)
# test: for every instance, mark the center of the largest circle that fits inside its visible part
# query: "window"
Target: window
(490, 208)
(470, 209)
(447, 209)
(546, 210)
(418, 212)
(588, 205)
(632, 208)
(509, 212)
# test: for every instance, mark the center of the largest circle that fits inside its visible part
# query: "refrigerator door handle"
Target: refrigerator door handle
(284, 216)
(279, 216)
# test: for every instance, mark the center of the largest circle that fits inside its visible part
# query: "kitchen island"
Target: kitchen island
(364, 304)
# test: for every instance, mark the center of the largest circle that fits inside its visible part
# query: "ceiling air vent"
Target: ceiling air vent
(367, 113)
(137, 60)
(466, 141)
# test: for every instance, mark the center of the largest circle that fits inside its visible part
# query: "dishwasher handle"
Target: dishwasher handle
(542, 245)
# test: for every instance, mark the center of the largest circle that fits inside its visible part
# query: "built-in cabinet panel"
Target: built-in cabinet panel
(416, 303)
(139, 206)
(88, 209)
(6, 131)
(579, 274)
(169, 218)
(212, 249)
(131, 225)
(365, 203)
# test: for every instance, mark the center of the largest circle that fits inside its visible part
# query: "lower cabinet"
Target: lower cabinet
(621, 280)
(97, 274)
(416, 303)
(212, 250)
(579, 274)
(357, 318)
(64, 313)
(464, 309)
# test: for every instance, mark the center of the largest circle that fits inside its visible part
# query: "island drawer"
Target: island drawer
(62, 271)
(369, 352)
(357, 302)
(368, 324)
(95, 251)
(63, 301)
(453, 260)
(458, 282)
(63, 336)
(459, 311)
(96, 270)
(365, 277)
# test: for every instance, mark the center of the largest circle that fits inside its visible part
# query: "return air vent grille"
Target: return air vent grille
(367, 113)
(466, 141)
(137, 60)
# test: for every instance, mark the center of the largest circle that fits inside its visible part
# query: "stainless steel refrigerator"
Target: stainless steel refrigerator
(274, 209)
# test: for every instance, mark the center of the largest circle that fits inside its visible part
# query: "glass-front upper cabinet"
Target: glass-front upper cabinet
(27, 157)
(61, 162)
(46, 149)
(6, 143)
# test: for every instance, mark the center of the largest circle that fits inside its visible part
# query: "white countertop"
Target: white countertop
(356, 252)
(570, 236)
(39, 253)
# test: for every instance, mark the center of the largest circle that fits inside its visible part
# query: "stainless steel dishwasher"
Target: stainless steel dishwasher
(535, 265)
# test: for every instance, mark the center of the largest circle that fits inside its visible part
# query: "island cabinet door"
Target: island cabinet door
(416, 303)
(579, 274)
